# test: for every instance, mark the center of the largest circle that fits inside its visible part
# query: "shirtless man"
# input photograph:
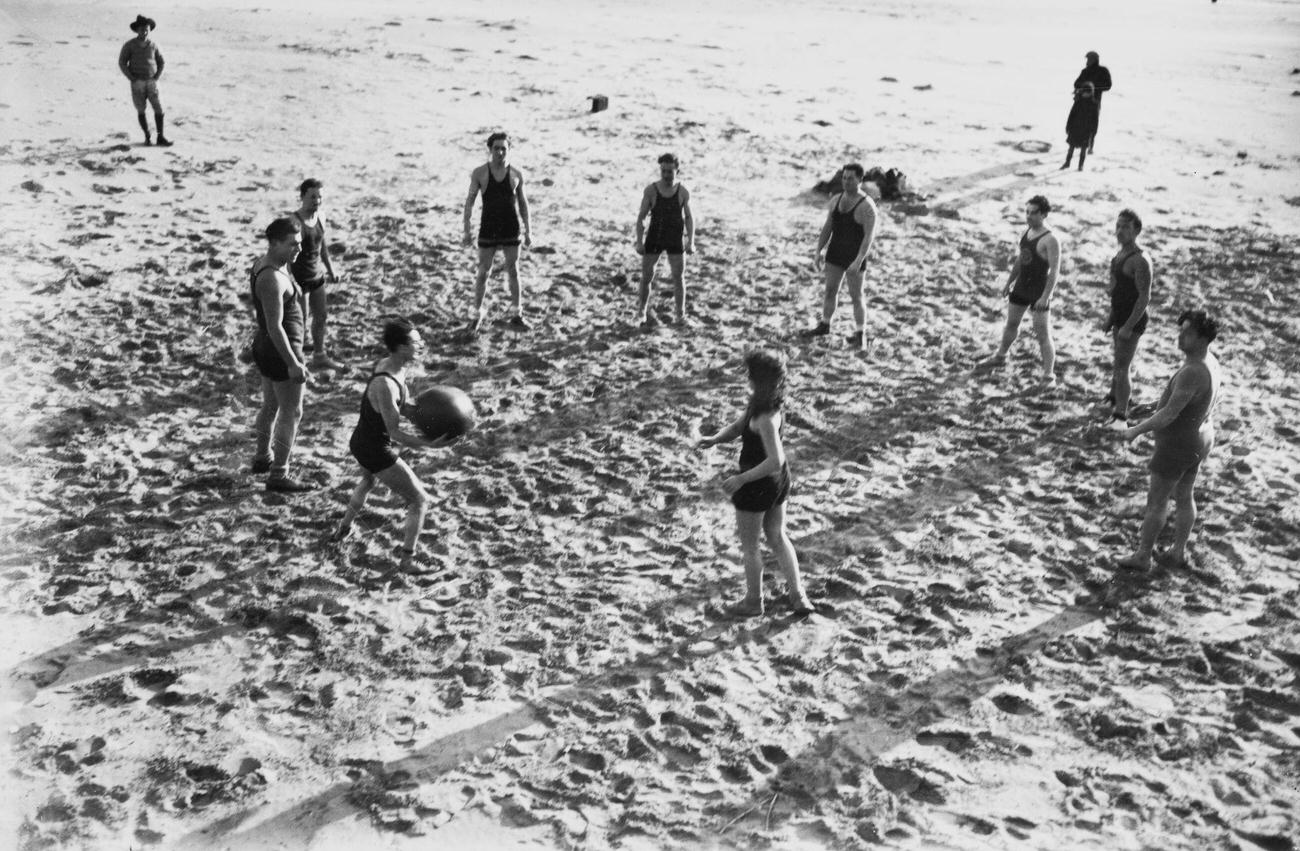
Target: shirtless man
(845, 240)
(1184, 435)
(672, 231)
(277, 351)
(505, 206)
(141, 62)
(312, 268)
(1130, 293)
(1029, 287)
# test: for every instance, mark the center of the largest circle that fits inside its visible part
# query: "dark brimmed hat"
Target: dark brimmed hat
(142, 21)
(1092, 53)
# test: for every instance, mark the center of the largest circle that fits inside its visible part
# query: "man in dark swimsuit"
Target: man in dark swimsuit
(312, 268)
(1130, 293)
(1029, 286)
(505, 207)
(1097, 74)
(1184, 435)
(379, 429)
(846, 238)
(277, 351)
(142, 63)
(672, 232)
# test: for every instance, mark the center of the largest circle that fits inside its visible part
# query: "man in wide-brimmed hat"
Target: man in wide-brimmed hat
(142, 63)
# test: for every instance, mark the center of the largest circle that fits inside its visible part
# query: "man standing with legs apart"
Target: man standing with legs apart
(1130, 293)
(505, 206)
(846, 238)
(277, 351)
(312, 269)
(1029, 287)
(142, 63)
(1184, 435)
(672, 231)
(380, 427)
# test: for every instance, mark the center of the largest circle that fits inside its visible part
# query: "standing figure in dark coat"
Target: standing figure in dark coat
(1081, 125)
(1097, 74)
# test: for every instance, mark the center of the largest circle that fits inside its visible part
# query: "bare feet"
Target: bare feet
(801, 604)
(991, 362)
(746, 608)
(1137, 561)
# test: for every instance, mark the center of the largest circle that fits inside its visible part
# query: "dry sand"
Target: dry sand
(189, 667)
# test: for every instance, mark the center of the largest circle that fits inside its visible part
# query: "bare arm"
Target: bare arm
(1142, 280)
(689, 220)
(646, 203)
(469, 204)
(270, 292)
(157, 55)
(1013, 275)
(1053, 249)
(522, 197)
(866, 217)
(824, 238)
(325, 254)
(727, 434)
(123, 60)
(383, 401)
(1184, 391)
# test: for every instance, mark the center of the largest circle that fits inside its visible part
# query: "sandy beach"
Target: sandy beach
(189, 665)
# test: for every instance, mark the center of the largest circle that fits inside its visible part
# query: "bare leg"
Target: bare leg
(511, 253)
(786, 559)
(316, 305)
(1121, 387)
(1184, 515)
(1157, 512)
(485, 257)
(677, 265)
(265, 420)
(1043, 328)
(1015, 313)
(855, 295)
(355, 503)
(288, 396)
(648, 262)
(748, 525)
(401, 479)
(834, 278)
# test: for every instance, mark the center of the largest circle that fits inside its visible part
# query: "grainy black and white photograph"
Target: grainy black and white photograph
(592, 424)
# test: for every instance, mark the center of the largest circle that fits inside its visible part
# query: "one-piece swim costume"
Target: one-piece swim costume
(499, 223)
(762, 494)
(371, 443)
(1032, 280)
(265, 356)
(1124, 295)
(667, 224)
(308, 268)
(846, 236)
(1181, 446)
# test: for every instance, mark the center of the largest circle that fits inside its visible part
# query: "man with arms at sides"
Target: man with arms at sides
(141, 62)
(505, 208)
(277, 351)
(312, 268)
(845, 239)
(1183, 427)
(1130, 293)
(672, 232)
(1029, 286)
